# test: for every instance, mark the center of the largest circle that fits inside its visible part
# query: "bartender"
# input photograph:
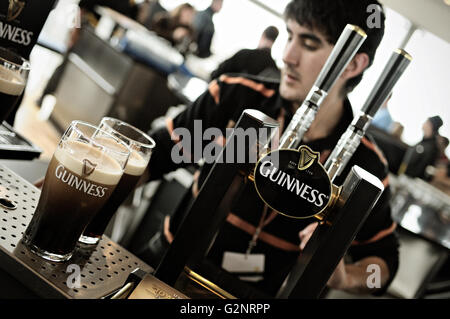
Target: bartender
(313, 28)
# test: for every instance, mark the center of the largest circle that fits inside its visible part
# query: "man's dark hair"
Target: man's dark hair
(271, 33)
(330, 18)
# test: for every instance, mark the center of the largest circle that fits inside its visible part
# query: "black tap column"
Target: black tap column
(353, 201)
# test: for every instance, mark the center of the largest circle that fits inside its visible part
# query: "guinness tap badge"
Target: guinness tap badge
(307, 157)
(88, 167)
(295, 184)
(14, 9)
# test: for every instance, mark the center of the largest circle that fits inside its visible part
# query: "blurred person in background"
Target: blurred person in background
(426, 152)
(148, 11)
(443, 144)
(383, 119)
(397, 130)
(204, 28)
(257, 61)
(176, 25)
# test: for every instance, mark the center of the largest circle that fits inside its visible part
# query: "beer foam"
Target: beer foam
(11, 83)
(136, 164)
(72, 154)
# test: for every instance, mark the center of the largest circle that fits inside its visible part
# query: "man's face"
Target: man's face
(304, 56)
(427, 129)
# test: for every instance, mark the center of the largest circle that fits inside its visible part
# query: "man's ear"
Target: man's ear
(356, 66)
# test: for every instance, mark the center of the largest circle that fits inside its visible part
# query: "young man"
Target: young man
(313, 27)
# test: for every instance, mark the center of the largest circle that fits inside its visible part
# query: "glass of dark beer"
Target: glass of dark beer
(141, 146)
(84, 171)
(14, 72)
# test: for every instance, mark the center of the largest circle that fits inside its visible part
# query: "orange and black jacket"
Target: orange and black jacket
(221, 107)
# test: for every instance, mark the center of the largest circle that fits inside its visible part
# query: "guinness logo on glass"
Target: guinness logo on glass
(293, 182)
(14, 9)
(88, 167)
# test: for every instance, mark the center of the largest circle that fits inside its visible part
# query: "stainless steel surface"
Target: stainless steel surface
(103, 268)
(421, 208)
(109, 63)
(79, 98)
(302, 119)
(347, 146)
(342, 153)
(92, 74)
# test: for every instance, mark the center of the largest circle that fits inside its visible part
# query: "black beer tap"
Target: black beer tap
(351, 139)
(352, 202)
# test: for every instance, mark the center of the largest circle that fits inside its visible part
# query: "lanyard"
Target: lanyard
(265, 220)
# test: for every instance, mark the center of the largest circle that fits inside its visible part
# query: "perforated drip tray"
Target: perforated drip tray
(104, 268)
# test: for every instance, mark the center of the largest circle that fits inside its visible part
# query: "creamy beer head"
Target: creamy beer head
(136, 164)
(11, 83)
(11, 87)
(89, 162)
(138, 141)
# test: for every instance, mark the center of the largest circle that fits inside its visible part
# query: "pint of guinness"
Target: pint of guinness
(14, 72)
(81, 176)
(141, 146)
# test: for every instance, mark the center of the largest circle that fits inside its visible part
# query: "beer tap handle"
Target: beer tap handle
(351, 139)
(345, 49)
(394, 69)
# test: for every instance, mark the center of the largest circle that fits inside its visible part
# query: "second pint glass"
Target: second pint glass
(141, 146)
(84, 171)
(14, 72)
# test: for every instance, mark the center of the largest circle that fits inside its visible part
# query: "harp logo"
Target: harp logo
(15, 8)
(88, 167)
(307, 157)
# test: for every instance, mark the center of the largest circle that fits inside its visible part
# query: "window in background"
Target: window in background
(425, 90)
(239, 25)
(396, 29)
